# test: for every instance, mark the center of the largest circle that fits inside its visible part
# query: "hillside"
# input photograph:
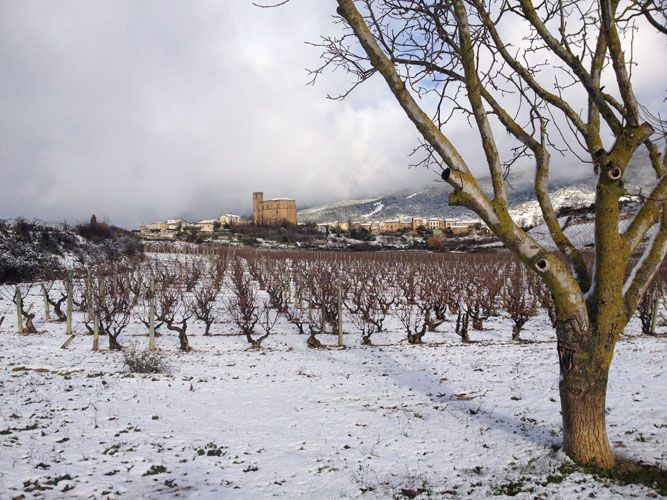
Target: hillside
(575, 191)
(34, 249)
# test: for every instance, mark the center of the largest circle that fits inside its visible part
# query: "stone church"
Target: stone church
(273, 212)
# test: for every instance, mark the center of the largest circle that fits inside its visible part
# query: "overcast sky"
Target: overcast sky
(139, 111)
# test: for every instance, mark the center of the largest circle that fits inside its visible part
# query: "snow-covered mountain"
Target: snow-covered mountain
(575, 191)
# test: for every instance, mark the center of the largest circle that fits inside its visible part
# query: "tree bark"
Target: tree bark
(584, 369)
(113, 343)
(183, 339)
(582, 397)
(313, 342)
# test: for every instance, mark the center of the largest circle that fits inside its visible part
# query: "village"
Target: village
(283, 211)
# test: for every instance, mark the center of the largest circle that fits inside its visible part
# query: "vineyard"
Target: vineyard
(304, 374)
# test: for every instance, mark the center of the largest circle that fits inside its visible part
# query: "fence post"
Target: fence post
(310, 304)
(151, 317)
(96, 332)
(47, 313)
(89, 294)
(68, 327)
(19, 309)
(340, 316)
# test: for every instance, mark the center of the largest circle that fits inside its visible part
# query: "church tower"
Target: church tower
(257, 199)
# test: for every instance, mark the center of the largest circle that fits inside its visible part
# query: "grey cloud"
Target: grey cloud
(139, 111)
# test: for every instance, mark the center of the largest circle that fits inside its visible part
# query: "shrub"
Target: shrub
(361, 235)
(155, 469)
(98, 232)
(285, 233)
(144, 361)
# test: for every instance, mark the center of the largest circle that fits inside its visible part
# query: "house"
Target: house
(418, 222)
(435, 224)
(391, 226)
(230, 220)
(151, 229)
(167, 229)
(208, 226)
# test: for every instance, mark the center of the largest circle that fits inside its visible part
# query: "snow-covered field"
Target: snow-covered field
(392, 420)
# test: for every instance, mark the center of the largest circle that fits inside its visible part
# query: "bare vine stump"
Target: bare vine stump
(47, 312)
(313, 342)
(68, 327)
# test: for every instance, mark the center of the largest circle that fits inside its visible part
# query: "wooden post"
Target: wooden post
(96, 332)
(68, 326)
(68, 341)
(151, 317)
(47, 313)
(89, 294)
(310, 304)
(19, 310)
(340, 317)
(103, 288)
(323, 319)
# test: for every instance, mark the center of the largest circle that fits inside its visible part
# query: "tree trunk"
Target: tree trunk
(585, 357)
(582, 397)
(257, 344)
(113, 343)
(313, 342)
(462, 326)
(415, 338)
(183, 339)
(516, 331)
(57, 308)
(182, 336)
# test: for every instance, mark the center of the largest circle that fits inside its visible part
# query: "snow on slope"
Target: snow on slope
(313, 212)
(291, 422)
(581, 235)
(529, 213)
(577, 189)
(377, 208)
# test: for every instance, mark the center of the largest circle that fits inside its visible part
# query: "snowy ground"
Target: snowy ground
(291, 422)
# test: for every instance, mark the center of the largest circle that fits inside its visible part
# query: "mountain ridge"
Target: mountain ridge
(431, 199)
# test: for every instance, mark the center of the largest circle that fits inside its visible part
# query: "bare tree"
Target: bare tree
(113, 302)
(21, 293)
(457, 55)
(146, 297)
(175, 310)
(366, 309)
(56, 303)
(413, 320)
(204, 297)
(518, 298)
(243, 305)
(268, 318)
